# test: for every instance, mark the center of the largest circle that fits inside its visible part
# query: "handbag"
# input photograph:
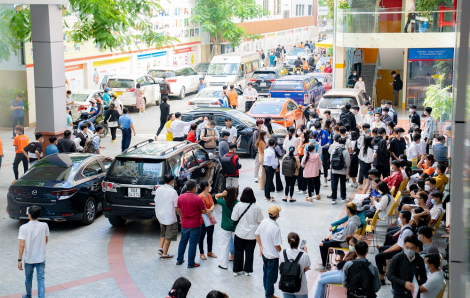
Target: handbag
(113, 124)
(235, 222)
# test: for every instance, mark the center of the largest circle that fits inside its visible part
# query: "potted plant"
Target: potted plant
(424, 9)
(439, 99)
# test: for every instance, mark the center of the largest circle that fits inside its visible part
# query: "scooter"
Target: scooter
(103, 133)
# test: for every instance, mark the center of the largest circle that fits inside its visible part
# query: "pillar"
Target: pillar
(339, 75)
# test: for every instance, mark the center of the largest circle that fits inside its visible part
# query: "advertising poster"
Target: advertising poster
(74, 77)
(148, 60)
(184, 56)
(111, 66)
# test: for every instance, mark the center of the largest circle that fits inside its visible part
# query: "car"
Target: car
(283, 111)
(81, 100)
(182, 79)
(135, 174)
(240, 120)
(291, 56)
(67, 186)
(325, 78)
(209, 97)
(201, 69)
(303, 89)
(124, 86)
(334, 99)
(264, 77)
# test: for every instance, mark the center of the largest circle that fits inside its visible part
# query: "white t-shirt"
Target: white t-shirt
(166, 199)
(413, 151)
(233, 133)
(34, 234)
(270, 235)
(434, 284)
(248, 224)
(436, 211)
(304, 262)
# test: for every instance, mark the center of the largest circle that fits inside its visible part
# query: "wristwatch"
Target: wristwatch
(19, 260)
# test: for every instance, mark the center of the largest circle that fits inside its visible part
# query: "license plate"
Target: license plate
(133, 192)
(119, 92)
(262, 84)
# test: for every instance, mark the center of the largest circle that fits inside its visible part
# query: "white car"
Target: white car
(334, 99)
(81, 101)
(293, 54)
(209, 97)
(124, 87)
(182, 79)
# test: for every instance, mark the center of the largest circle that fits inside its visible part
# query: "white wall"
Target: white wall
(396, 40)
(391, 58)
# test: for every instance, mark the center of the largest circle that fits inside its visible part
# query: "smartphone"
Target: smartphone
(302, 244)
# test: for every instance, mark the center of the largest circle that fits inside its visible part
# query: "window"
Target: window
(286, 14)
(277, 6)
(92, 169)
(189, 161)
(296, 9)
(265, 5)
(174, 164)
(303, 10)
(248, 67)
(106, 161)
(191, 72)
(336, 102)
(201, 156)
(220, 120)
(291, 106)
(310, 10)
(142, 81)
(179, 73)
(121, 83)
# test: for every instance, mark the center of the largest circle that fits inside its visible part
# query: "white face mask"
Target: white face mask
(360, 79)
(376, 119)
(354, 73)
(411, 110)
(416, 202)
(402, 135)
(427, 188)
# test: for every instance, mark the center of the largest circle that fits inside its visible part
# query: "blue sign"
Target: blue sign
(430, 54)
(151, 55)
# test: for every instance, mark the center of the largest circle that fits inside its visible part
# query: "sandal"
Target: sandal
(271, 200)
(203, 257)
(284, 200)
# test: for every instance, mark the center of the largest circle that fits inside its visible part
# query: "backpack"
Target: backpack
(399, 84)
(291, 276)
(201, 142)
(395, 117)
(89, 148)
(337, 160)
(288, 166)
(360, 280)
(163, 86)
(228, 166)
(344, 118)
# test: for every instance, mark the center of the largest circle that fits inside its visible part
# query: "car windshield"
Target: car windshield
(288, 86)
(202, 67)
(320, 78)
(49, 173)
(159, 73)
(264, 75)
(147, 171)
(248, 120)
(204, 93)
(267, 109)
(297, 51)
(222, 69)
(336, 102)
(121, 83)
(77, 97)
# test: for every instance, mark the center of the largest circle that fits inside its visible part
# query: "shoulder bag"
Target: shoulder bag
(235, 222)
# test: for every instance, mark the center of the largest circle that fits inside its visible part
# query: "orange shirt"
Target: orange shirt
(20, 142)
(1, 147)
(208, 202)
(301, 46)
(232, 97)
(428, 170)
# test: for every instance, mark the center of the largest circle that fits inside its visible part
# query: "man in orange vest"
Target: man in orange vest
(232, 97)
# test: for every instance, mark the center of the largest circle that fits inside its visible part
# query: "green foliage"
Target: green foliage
(426, 6)
(438, 98)
(6, 96)
(322, 2)
(342, 4)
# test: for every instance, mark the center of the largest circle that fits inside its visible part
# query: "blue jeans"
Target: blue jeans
(270, 270)
(330, 277)
(126, 138)
(232, 247)
(287, 295)
(29, 270)
(192, 235)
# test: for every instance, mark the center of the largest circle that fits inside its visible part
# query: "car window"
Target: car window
(92, 169)
(191, 72)
(220, 120)
(201, 155)
(287, 86)
(239, 92)
(336, 102)
(174, 164)
(255, 65)
(39, 172)
(202, 67)
(158, 73)
(106, 161)
(248, 67)
(189, 161)
(179, 73)
(121, 83)
(291, 106)
(147, 171)
(264, 75)
(267, 109)
(150, 80)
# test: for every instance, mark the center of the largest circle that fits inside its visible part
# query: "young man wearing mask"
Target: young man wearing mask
(352, 79)
(250, 95)
(435, 277)
(339, 176)
(369, 117)
(378, 123)
(414, 118)
(397, 144)
(324, 139)
(328, 68)
(385, 116)
(381, 154)
(359, 117)
(429, 127)
(414, 150)
(441, 178)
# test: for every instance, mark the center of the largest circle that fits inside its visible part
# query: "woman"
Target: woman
(227, 202)
(169, 119)
(248, 215)
(386, 202)
(293, 239)
(288, 160)
(426, 163)
(267, 124)
(290, 140)
(360, 85)
(180, 288)
(339, 239)
(139, 99)
(396, 178)
(112, 118)
(391, 130)
(366, 157)
(301, 182)
(311, 163)
(261, 145)
(204, 193)
(117, 103)
(328, 126)
(192, 133)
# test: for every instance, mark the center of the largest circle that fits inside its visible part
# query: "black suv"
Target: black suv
(130, 183)
(263, 78)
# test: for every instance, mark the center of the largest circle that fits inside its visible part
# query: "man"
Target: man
(311, 62)
(164, 112)
(430, 188)
(166, 201)
(96, 140)
(164, 87)
(358, 60)
(435, 212)
(385, 116)
(352, 268)
(94, 110)
(357, 114)
(268, 237)
(65, 144)
(435, 278)
(106, 97)
(414, 150)
(231, 180)
(414, 118)
(425, 236)
(392, 112)
(429, 127)
(347, 117)
(33, 236)
(17, 106)
(81, 137)
(340, 161)
(324, 139)
(328, 68)
(381, 154)
(297, 63)
(397, 85)
(397, 144)
(262, 55)
(411, 17)
(256, 131)
(270, 165)
(201, 85)
(191, 207)
(52, 148)
(126, 126)
(223, 143)
(272, 59)
(33, 151)
(85, 117)
(20, 142)
(232, 97)
(405, 267)
(68, 99)
(440, 150)
(378, 123)
(251, 95)
(232, 130)
(209, 136)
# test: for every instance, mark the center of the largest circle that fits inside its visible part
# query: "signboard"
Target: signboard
(74, 77)
(151, 55)
(111, 61)
(323, 10)
(430, 54)
(184, 50)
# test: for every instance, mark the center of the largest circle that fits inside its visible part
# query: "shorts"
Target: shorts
(169, 232)
(231, 182)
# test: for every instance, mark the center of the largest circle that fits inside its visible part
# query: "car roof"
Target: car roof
(294, 78)
(65, 159)
(342, 92)
(209, 110)
(213, 88)
(127, 76)
(151, 149)
(169, 67)
(320, 74)
(269, 68)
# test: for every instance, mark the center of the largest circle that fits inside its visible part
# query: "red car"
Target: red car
(325, 78)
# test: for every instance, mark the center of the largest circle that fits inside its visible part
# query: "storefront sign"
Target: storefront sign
(151, 55)
(111, 61)
(184, 50)
(430, 54)
(74, 67)
(323, 10)
(74, 77)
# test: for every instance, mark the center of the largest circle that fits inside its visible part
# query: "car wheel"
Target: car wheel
(157, 102)
(145, 102)
(104, 133)
(89, 212)
(219, 184)
(116, 221)
(182, 93)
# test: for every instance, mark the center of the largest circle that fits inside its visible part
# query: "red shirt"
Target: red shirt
(234, 161)
(328, 69)
(191, 137)
(191, 206)
(394, 180)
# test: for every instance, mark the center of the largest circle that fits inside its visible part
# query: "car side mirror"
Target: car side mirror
(240, 127)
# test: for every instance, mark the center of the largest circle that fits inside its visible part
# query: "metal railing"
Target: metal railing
(349, 64)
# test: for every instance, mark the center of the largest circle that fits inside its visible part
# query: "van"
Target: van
(233, 68)
(303, 89)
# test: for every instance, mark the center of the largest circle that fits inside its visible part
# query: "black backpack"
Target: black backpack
(291, 275)
(360, 280)
(228, 166)
(288, 166)
(344, 117)
(163, 86)
(337, 159)
(89, 147)
(395, 117)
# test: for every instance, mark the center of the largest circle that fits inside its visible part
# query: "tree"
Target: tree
(111, 24)
(216, 17)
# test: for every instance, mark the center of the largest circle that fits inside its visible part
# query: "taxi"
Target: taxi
(283, 111)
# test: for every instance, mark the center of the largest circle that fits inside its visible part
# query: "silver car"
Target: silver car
(209, 98)
(334, 99)
(81, 100)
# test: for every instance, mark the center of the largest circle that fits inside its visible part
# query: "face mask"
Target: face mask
(376, 119)
(433, 201)
(411, 111)
(409, 252)
(427, 188)
(299, 132)
(380, 192)
(360, 79)
(382, 106)
(402, 135)
(384, 114)
(370, 112)
(426, 266)
(212, 128)
(351, 248)
(368, 130)
(416, 202)
(312, 141)
(394, 75)
(206, 121)
(318, 130)
(354, 73)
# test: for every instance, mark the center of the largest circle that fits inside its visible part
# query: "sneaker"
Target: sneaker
(333, 202)
(194, 266)
(180, 263)
(317, 197)
(236, 274)
(320, 268)
(167, 257)
(222, 267)
(343, 200)
(360, 186)
(299, 191)
(353, 185)
(256, 180)
(247, 273)
(160, 251)
(325, 181)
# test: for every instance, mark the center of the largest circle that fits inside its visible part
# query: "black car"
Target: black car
(67, 186)
(263, 78)
(134, 176)
(244, 124)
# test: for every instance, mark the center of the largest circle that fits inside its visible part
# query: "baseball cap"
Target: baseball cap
(106, 89)
(274, 210)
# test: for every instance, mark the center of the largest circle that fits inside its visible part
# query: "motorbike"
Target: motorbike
(298, 71)
(105, 130)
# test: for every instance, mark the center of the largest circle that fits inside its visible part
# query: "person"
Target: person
(251, 95)
(381, 154)
(68, 99)
(33, 237)
(126, 126)
(228, 203)
(164, 112)
(429, 127)
(311, 162)
(177, 127)
(232, 97)
(414, 151)
(117, 103)
(191, 206)
(270, 164)
(166, 200)
(112, 120)
(414, 118)
(216, 294)
(358, 60)
(209, 137)
(201, 85)
(360, 85)
(85, 117)
(272, 59)
(261, 144)
(93, 111)
(339, 170)
(405, 267)
(397, 85)
(20, 142)
(386, 202)
(207, 228)
(231, 129)
(304, 65)
(411, 17)
(311, 62)
(357, 114)
(396, 178)
(106, 97)
(33, 151)
(291, 139)
(328, 68)
(435, 278)
(366, 158)
(139, 99)
(441, 178)
(69, 120)
(324, 138)
(17, 106)
(268, 237)
(425, 236)
(180, 288)
(297, 63)
(52, 148)
(256, 131)
(81, 138)
(223, 100)
(369, 118)
(192, 133)
(223, 143)
(352, 79)
(169, 120)
(231, 180)
(164, 87)
(386, 118)
(441, 151)
(397, 144)
(96, 140)
(65, 144)
(290, 170)
(318, 66)
(435, 212)
(248, 216)
(202, 125)
(348, 117)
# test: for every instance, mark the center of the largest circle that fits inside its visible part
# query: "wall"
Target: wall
(384, 90)
(392, 58)
(370, 55)
(13, 79)
(278, 25)
(396, 40)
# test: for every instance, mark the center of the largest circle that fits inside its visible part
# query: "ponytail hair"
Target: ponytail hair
(291, 132)
(291, 151)
(293, 239)
(202, 186)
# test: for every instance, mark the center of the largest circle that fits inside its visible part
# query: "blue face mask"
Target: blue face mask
(367, 131)
(351, 248)
(426, 266)
(370, 112)
(312, 141)
(212, 128)
(433, 201)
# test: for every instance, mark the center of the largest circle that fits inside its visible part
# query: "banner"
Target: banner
(430, 54)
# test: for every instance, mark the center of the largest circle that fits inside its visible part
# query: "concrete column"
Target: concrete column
(339, 68)
(49, 69)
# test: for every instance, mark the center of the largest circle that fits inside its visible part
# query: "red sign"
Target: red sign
(184, 50)
(74, 67)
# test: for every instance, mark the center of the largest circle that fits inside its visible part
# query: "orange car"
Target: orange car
(283, 111)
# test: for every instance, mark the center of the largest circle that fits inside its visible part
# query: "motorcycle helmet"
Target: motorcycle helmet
(106, 89)
(114, 95)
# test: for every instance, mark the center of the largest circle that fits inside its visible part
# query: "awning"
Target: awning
(327, 43)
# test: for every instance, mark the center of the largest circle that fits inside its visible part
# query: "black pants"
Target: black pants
(382, 257)
(301, 182)
(389, 235)
(313, 184)
(358, 68)
(17, 120)
(126, 138)
(369, 210)
(178, 139)
(248, 105)
(31, 160)
(19, 157)
(324, 250)
(162, 125)
(113, 133)
(290, 184)
(269, 186)
(384, 170)
(210, 238)
(244, 253)
(411, 16)
(354, 166)
(326, 162)
(364, 171)
(279, 185)
(341, 179)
